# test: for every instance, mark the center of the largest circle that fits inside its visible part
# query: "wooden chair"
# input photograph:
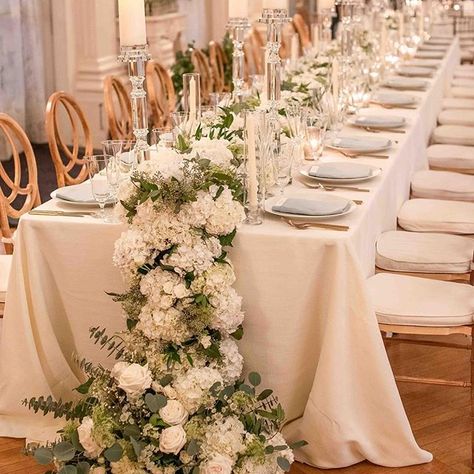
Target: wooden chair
(389, 294)
(161, 93)
(201, 66)
(257, 44)
(217, 66)
(70, 167)
(118, 109)
(18, 193)
(300, 26)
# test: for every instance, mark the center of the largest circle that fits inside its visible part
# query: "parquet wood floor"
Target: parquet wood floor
(439, 417)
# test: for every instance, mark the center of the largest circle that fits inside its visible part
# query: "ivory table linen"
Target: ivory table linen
(310, 328)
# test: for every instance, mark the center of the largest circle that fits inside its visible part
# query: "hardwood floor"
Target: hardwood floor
(439, 416)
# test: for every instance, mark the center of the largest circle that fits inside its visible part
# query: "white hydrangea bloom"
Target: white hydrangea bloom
(126, 466)
(226, 215)
(217, 151)
(225, 436)
(232, 361)
(132, 251)
(227, 308)
(166, 161)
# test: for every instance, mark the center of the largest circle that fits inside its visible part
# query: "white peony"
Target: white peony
(172, 439)
(86, 438)
(217, 465)
(133, 379)
(174, 413)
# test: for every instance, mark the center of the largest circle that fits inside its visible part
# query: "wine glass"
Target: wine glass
(163, 137)
(220, 99)
(102, 188)
(123, 151)
(183, 124)
(283, 163)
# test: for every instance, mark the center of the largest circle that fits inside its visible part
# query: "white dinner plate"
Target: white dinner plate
(433, 47)
(75, 203)
(393, 99)
(442, 41)
(378, 121)
(414, 71)
(405, 83)
(359, 144)
(270, 202)
(374, 172)
(429, 55)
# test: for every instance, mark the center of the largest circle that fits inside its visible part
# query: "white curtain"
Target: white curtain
(22, 83)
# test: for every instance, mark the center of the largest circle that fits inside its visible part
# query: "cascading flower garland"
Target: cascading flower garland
(175, 402)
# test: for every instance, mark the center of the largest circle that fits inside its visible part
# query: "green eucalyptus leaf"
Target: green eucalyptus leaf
(114, 453)
(155, 402)
(193, 448)
(255, 379)
(43, 456)
(69, 469)
(264, 394)
(131, 431)
(283, 463)
(298, 444)
(83, 468)
(64, 451)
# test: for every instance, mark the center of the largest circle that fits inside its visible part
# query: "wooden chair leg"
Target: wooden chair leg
(472, 403)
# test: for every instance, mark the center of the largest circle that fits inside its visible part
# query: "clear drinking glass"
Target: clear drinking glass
(102, 188)
(220, 99)
(316, 127)
(283, 163)
(123, 150)
(163, 137)
(183, 124)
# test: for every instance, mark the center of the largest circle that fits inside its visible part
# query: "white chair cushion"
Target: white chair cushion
(457, 103)
(462, 82)
(445, 185)
(464, 67)
(466, 92)
(457, 117)
(469, 74)
(418, 252)
(413, 301)
(466, 55)
(452, 157)
(454, 135)
(431, 215)
(5, 266)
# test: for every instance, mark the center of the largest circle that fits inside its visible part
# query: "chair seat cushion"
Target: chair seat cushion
(454, 135)
(466, 55)
(466, 92)
(445, 185)
(457, 117)
(451, 157)
(432, 215)
(465, 74)
(464, 68)
(5, 266)
(458, 103)
(418, 252)
(462, 82)
(413, 301)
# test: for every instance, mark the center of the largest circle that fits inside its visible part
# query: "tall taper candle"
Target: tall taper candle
(238, 9)
(252, 182)
(132, 22)
(192, 100)
(295, 48)
(316, 38)
(335, 79)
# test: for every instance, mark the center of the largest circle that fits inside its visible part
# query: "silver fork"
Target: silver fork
(333, 188)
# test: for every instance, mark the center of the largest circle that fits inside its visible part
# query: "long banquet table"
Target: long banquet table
(310, 329)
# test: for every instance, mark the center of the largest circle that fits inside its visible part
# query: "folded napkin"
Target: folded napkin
(77, 193)
(357, 143)
(340, 171)
(311, 207)
(380, 120)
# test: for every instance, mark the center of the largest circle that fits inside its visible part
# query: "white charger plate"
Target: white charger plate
(361, 144)
(394, 99)
(270, 202)
(378, 121)
(405, 83)
(374, 172)
(429, 55)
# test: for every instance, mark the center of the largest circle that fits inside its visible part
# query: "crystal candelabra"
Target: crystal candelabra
(136, 58)
(346, 10)
(274, 19)
(237, 28)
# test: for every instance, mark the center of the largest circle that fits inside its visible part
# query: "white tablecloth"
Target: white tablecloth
(310, 329)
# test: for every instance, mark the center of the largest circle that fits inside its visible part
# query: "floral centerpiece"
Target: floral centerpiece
(175, 401)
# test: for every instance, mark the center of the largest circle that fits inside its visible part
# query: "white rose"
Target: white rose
(98, 470)
(134, 379)
(170, 392)
(217, 465)
(174, 413)
(172, 439)
(86, 439)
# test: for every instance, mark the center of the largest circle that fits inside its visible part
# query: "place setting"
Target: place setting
(201, 203)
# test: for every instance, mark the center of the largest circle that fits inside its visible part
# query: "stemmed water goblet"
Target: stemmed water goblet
(316, 127)
(123, 151)
(296, 117)
(104, 176)
(283, 164)
(163, 137)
